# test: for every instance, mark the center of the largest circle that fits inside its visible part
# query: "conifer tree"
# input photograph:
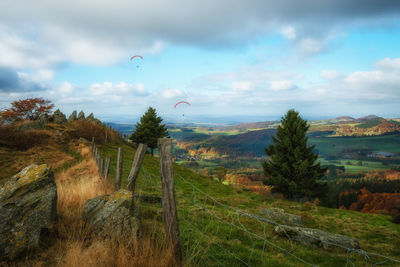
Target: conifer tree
(292, 168)
(149, 129)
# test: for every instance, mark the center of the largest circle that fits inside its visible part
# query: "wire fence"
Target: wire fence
(221, 229)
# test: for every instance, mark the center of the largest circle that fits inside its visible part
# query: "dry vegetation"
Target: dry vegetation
(72, 244)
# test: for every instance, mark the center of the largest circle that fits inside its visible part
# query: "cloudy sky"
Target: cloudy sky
(228, 58)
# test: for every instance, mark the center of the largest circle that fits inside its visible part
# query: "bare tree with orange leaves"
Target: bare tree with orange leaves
(27, 109)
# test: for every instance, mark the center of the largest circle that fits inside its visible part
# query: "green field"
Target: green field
(334, 145)
(355, 168)
(214, 230)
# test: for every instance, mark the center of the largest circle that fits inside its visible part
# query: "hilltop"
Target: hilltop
(219, 224)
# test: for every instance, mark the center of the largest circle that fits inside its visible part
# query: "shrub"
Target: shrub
(13, 137)
(88, 129)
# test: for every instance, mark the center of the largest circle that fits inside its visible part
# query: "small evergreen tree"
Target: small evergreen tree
(291, 168)
(149, 129)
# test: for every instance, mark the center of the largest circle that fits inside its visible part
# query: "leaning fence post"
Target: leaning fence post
(168, 197)
(137, 163)
(106, 167)
(118, 170)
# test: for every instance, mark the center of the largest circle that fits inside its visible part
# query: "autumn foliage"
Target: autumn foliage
(27, 109)
(365, 201)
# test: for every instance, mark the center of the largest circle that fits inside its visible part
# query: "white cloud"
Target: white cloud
(330, 74)
(120, 89)
(311, 46)
(242, 86)
(172, 93)
(45, 33)
(289, 33)
(282, 85)
(389, 63)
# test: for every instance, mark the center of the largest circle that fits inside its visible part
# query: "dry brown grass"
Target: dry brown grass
(78, 184)
(72, 243)
(78, 247)
(13, 161)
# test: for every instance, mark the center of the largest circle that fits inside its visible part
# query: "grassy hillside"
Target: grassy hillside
(216, 231)
(219, 224)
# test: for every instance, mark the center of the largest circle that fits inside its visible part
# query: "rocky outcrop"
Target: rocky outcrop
(28, 207)
(44, 118)
(73, 116)
(81, 115)
(281, 216)
(111, 216)
(59, 117)
(90, 117)
(317, 237)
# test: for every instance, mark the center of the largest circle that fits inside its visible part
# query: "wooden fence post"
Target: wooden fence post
(137, 163)
(93, 146)
(168, 197)
(106, 136)
(106, 167)
(118, 169)
(101, 166)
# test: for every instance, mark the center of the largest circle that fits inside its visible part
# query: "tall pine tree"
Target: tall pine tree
(149, 129)
(292, 168)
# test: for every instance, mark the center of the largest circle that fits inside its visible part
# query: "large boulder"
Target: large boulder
(81, 115)
(73, 116)
(90, 117)
(317, 237)
(28, 208)
(111, 215)
(44, 118)
(281, 216)
(59, 117)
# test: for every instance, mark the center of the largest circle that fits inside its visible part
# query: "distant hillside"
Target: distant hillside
(249, 125)
(368, 118)
(251, 143)
(345, 118)
(122, 128)
(371, 123)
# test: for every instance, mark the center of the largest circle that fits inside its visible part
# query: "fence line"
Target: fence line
(235, 214)
(272, 222)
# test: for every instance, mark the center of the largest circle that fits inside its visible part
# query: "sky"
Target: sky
(232, 60)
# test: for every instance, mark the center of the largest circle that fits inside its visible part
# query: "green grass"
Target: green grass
(334, 145)
(213, 234)
(354, 167)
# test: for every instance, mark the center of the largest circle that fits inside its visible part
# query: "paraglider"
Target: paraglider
(136, 56)
(182, 102)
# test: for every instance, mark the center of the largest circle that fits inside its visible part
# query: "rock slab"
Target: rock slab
(317, 237)
(28, 207)
(282, 216)
(111, 215)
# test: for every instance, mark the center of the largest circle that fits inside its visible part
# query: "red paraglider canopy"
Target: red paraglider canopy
(136, 56)
(180, 102)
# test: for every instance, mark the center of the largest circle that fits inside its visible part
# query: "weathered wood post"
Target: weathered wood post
(106, 168)
(168, 197)
(106, 136)
(101, 166)
(93, 146)
(137, 163)
(118, 170)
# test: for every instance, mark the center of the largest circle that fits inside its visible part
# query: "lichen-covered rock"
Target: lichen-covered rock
(44, 118)
(73, 116)
(111, 215)
(81, 115)
(59, 117)
(90, 117)
(28, 207)
(280, 215)
(317, 237)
